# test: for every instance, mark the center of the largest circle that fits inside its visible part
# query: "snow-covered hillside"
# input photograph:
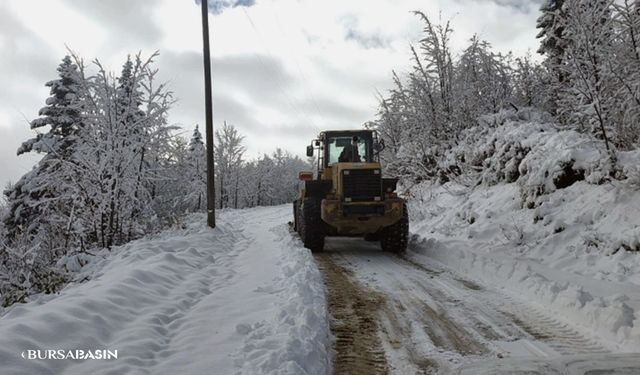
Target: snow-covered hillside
(243, 298)
(542, 219)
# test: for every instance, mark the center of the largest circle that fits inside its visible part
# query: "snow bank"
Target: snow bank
(574, 251)
(552, 260)
(244, 298)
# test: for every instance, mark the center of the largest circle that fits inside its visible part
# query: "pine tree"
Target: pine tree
(31, 197)
(63, 113)
(553, 44)
(551, 29)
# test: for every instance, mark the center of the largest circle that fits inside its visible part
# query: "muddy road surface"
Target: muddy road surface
(393, 315)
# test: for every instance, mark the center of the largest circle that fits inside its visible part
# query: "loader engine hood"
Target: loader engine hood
(358, 182)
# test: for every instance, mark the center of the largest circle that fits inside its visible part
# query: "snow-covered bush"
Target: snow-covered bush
(629, 163)
(539, 156)
(589, 83)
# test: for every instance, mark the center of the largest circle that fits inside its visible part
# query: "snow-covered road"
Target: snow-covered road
(245, 298)
(429, 319)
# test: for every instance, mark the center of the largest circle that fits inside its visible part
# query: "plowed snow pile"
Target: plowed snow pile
(544, 220)
(244, 298)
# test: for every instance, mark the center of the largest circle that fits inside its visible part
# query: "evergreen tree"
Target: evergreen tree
(553, 44)
(551, 29)
(63, 114)
(36, 192)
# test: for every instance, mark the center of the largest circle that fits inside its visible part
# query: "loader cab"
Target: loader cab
(347, 146)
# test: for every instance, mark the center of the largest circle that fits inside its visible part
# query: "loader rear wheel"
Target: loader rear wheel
(295, 215)
(372, 237)
(395, 238)
(311, 227)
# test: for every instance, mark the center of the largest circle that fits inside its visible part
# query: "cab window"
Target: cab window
(340, 147)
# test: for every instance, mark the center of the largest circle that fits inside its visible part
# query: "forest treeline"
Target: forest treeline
(114, 169)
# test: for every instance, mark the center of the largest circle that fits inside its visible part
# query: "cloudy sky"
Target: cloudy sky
(283, 69)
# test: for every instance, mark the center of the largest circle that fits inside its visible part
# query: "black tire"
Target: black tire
(295, 215)
(299, 219)
(372, 237)
(311, 226)
(395, 238)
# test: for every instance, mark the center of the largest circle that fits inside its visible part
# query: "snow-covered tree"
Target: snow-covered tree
(37, 192)
(530, 84)
(551, 25)
(483, 82)
(438, 62)
(123, 154)
(553, 44)
(584, 101)
(625, 72)
(196, 173)
(228, 151)
(62, 113)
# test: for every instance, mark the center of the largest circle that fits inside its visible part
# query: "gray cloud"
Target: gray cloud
(251, 76)
(258, 73)
(360, 82)
(238, 76)
(367, 40)
(27, 63)
(336, 112)
(35, 62)
(127, 21)
(217, 6)
(264, 82)
(524, 6)
(12, 167)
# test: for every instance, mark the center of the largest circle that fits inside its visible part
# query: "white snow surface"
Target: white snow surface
(243, 298)
(575, 253)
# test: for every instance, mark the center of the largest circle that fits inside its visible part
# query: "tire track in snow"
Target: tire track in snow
(433, 321)
(355, 323)
(522, 321)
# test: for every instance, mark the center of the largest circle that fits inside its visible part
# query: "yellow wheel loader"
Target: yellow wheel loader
(349, 196)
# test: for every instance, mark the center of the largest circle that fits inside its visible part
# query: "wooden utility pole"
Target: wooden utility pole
(211, 190)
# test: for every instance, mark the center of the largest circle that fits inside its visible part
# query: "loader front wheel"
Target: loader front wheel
(311, 227)
(395, 238)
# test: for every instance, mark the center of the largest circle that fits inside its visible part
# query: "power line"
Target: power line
(304, 77)
(277, 83)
